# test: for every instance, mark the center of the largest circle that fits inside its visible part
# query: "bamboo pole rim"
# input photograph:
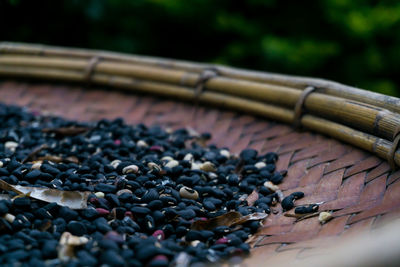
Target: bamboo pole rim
(349, 112)
(327, 86)
(215, 89)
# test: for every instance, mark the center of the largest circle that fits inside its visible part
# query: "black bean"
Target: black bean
(232, 204)
(155, 205)
(49, 249)
(4, 172)
(271, 157)
(22, 202)
(287, 202)
(113, 200)
(18, 255)
(306, 209)
(264, 207)
(112, 258)
(15, 244)
(129, 222)
(248, 155)
(245, 247)
(265, 200)
(219, 247)
(76, 228)
(33, 176)
(233, 179)
(3, 207)
(108, 244)
(181, 231)
(168, 201)
(25, 237)
(47, 168)
(140, 210)
(67, 213)
(297, 195)
(209, 205)
(276, 178)
(102, 225)
(150, 195)
(85, 258)
(187, 214)
(43, 214)
(149, 224)
(264, 191)
(12, 165)
(105, 188)
(126, 197)
(146, 252)
(59, 225)
(194, 235)
(89, 213)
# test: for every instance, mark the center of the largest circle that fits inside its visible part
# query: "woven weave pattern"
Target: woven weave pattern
(357, 186)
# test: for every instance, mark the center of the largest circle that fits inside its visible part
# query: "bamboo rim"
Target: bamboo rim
(370, 127)
(326, 86)
(374, 120)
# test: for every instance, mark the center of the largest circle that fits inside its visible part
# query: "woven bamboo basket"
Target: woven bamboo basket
(338, 143)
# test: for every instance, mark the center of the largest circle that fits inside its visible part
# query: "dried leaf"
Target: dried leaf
(57, 159)
(231, 218)
(6, 186)
(300, 217)
(252, 198)
(33, 154)
(223, 220)
(251, 217)
(71, 199)
(71, 159)
(253, 240)
(239, 167)
(67, 131)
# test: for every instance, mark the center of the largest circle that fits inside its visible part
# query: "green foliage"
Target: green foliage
(354, 42)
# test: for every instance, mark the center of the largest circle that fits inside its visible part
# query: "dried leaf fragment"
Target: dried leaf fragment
(252, 198)
(57, 159)
(223, 220)
(67, 131)
(228, 219)
(71, 199)
(6, 186)
(251, 217)
(34, 152)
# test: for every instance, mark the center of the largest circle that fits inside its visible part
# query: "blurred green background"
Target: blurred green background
(353, 42)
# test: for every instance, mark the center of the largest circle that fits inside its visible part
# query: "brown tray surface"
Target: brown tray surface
(358, 186)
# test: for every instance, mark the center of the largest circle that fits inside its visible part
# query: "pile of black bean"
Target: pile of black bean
(147, 188)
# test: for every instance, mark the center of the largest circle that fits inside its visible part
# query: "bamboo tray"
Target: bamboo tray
(351, 167)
